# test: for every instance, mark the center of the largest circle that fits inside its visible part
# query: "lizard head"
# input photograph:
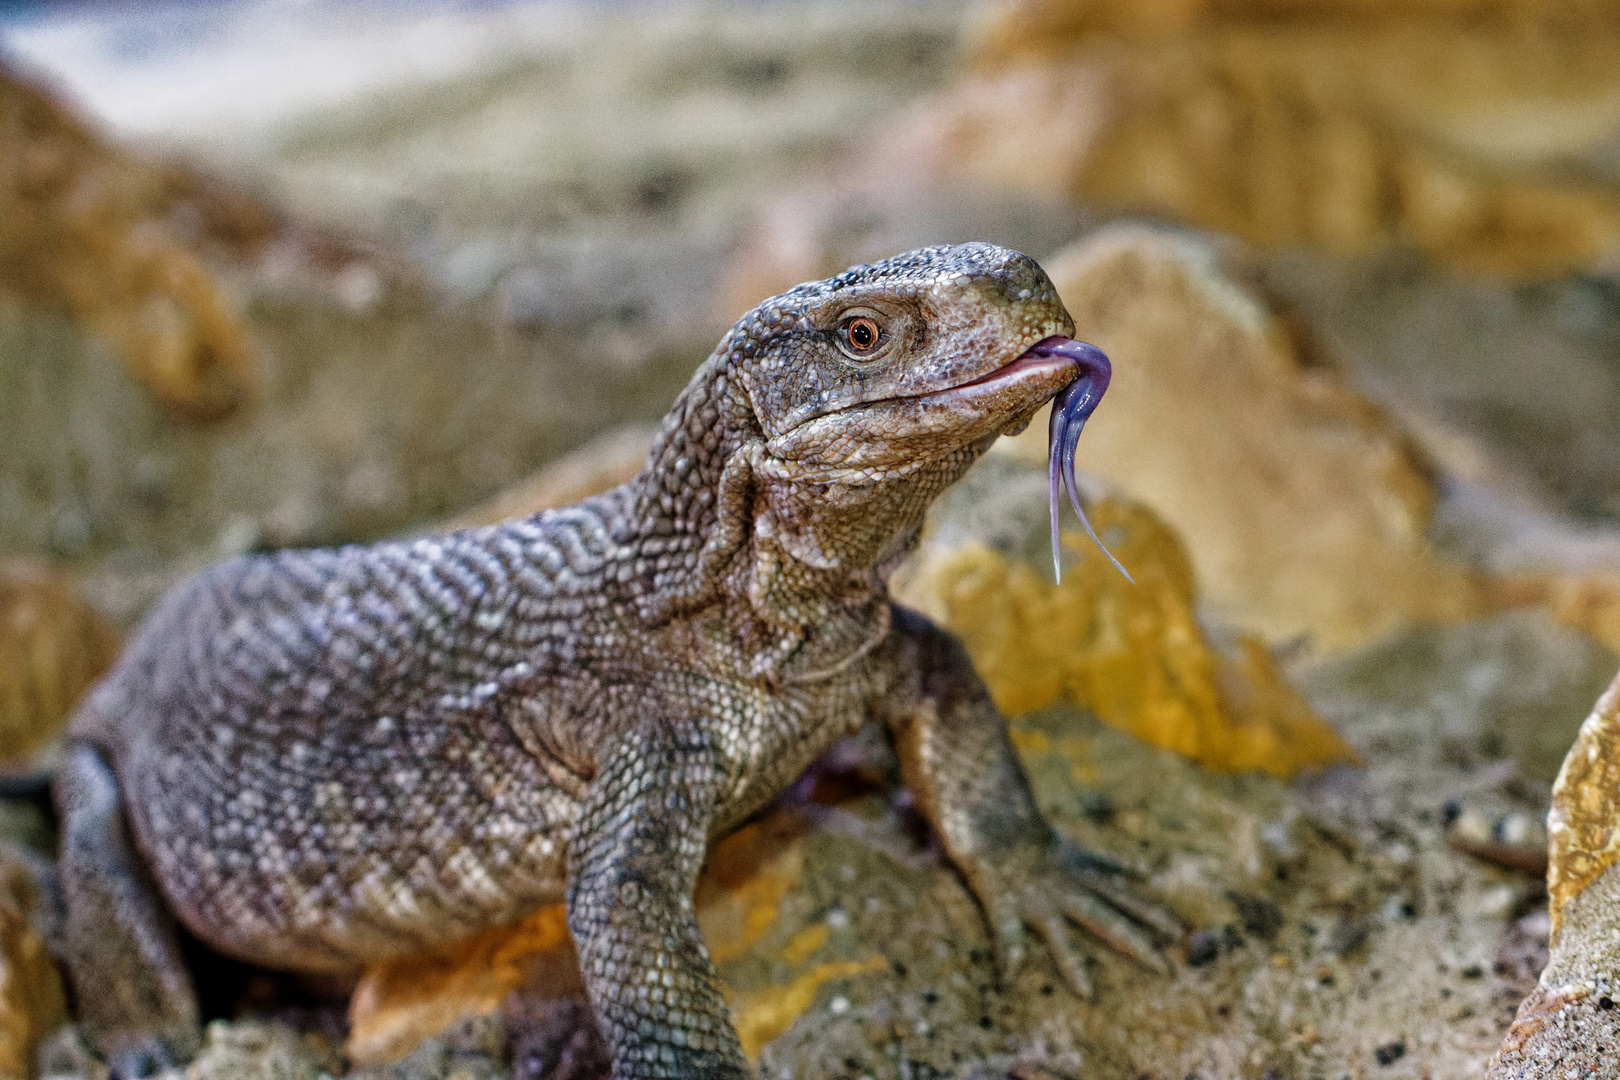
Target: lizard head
(888, 367)
(830, 416)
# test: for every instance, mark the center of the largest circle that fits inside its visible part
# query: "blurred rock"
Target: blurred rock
(1510, 385)
(1590, 601)
(262, 1050)
(1134, 654)
(1568, 1025)
(32, 1001)
(90, 228)
(815, 229)
(400, 1003)
(53, 645)
(1481, 133)
(606, 461)
(1303, 505)
(544, 213)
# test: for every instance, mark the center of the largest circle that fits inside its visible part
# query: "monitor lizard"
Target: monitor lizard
(318, 759)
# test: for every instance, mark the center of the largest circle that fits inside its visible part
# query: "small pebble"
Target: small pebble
(1473, 826)
(1515, 830)
(1203, 947)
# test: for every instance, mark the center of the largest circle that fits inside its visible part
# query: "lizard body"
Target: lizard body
(326, 758)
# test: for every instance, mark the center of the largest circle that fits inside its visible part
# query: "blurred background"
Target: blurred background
(304, 272)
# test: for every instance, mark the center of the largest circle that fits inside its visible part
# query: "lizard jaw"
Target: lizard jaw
(1024, 383)
(917, 426)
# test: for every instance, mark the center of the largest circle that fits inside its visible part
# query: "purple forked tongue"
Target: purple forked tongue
(1071, 408)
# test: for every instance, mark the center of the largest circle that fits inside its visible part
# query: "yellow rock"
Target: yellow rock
(32, 1002)
(1565, 1026)
(1587, 600)
(1458, 128)
(1304, 508)
(1133, 654)
(53, 645)
(1583, 826)
(399, 1003)
(748, 874)
(83, 227)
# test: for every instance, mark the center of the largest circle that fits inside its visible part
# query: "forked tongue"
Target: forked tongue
(1071, 408)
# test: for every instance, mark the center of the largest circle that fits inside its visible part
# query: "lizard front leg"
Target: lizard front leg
(959, 764)
(633, 863)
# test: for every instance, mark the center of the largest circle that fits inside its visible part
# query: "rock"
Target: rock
(400, 1003)
(1510, 386)
(87, 227)
(1303, 505)
(1509, 688)
(1478, 132)
(1584, 824)
(262, 1050)
(474, 1049)
(32, 1001)
(1135, 654)
(1569, 1025)
(606, 461)
(53, 645)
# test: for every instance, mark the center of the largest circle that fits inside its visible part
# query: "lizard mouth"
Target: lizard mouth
(1045, 368)
(915, 425)
(1084, 372)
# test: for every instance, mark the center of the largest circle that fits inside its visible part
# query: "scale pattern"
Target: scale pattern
(332, 757)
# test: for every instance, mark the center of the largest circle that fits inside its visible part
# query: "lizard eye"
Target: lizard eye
(860, 337)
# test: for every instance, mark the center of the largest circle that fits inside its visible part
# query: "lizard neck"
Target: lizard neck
(686, 504)
(716, 520)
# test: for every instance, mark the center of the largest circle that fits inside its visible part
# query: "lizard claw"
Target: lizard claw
(1062, 887)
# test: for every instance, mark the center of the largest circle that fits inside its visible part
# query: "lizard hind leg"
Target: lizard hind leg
(133, 993)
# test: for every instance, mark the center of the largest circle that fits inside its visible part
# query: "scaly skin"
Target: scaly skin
(332, 757)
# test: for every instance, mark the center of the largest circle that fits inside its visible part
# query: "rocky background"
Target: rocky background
(287, 274)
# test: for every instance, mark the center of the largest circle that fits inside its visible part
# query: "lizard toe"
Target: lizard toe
(1069, 958)
(1120, 895)
(1007, 942)
(1114, 930)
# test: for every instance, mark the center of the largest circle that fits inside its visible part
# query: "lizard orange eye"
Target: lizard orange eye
(862, 335)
